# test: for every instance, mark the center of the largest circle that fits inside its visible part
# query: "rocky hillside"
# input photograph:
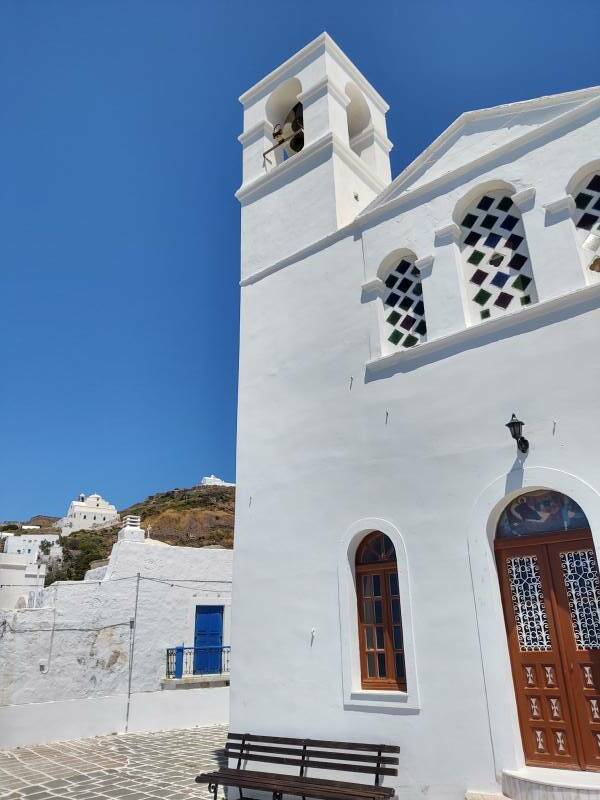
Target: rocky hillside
(194, 517)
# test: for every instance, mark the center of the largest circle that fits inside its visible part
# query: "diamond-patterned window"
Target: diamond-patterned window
(496, 261)
(403, 308)
(587, 221)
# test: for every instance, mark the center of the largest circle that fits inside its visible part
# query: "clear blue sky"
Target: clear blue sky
(119, 232)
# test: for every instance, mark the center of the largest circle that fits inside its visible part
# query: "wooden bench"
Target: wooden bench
(304, 754)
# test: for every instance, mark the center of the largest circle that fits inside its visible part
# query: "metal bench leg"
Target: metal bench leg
(213, 787)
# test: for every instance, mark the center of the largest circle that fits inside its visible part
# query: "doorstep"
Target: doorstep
(541, 783)
(196, 682)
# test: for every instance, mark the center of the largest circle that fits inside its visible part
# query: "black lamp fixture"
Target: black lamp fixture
(515, 426)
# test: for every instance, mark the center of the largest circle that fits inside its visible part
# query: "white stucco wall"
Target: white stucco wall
(78, 646)
(333, 442)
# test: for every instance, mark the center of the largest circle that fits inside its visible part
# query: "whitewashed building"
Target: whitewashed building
(31, 545)
(389, 330)
(21, 581)
(87, 513)
(142, 643)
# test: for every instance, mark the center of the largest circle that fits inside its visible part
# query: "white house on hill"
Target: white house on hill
(86, 513)
(409, 573)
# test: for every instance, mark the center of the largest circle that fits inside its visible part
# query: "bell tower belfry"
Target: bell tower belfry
(315, 153)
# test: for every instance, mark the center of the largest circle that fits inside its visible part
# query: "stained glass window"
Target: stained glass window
(542, 511)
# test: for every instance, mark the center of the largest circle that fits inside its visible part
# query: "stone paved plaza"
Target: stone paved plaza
(132, 766)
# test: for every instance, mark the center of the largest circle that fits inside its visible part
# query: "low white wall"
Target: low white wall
(38, 723)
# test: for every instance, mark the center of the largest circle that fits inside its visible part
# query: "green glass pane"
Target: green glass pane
(482, 297)
(394, 337)
(521, 283)
(485, 314)
(476, 257)
(525, 300)
(393, 318)
(410, 340)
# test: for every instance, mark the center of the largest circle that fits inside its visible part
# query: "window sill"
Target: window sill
(480, 333)
(381, 700)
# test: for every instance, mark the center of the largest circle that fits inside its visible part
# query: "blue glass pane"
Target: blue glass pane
(376, 586)
(541, 511)
(394, 583)
(381, 660)
(371, 665)
(400, 670)
(378, 611)
(380, 645)
(398, 637)
(396, 611)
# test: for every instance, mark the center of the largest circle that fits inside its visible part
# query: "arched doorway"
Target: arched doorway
(551, 599)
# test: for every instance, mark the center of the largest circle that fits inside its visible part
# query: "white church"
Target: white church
(408, 569)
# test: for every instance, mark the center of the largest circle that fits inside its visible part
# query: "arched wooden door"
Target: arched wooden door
(551, 598)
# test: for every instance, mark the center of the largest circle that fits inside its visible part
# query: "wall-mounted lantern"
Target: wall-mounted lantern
(515, 426)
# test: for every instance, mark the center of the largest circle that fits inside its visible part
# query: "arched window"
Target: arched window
(495, 257)
(586, 195)
(379, 615)
(404, 311)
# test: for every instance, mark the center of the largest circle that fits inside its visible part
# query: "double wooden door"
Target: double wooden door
(551, 598)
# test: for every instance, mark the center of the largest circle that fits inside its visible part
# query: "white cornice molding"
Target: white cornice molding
(389, 200)
(320, 89)
(322, 44)
(369, 136)
(431, 350)
(525, 199)
(373, 287)
(307, 158)
(447, 235)
(425, 266)
(256, 132)
(563, 208)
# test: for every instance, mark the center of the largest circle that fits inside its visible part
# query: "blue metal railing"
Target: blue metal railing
(182, 661)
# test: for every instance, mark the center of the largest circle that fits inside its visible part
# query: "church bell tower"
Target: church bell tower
(315, 153)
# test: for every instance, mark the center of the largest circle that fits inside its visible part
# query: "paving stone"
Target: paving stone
(138, 766)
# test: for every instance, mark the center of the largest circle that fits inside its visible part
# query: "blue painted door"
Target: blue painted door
(208, 640)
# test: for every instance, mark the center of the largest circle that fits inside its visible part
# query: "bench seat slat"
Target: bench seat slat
(302, 787)
(234, 749)
(314, 764)
(278, 776)
(374, 748)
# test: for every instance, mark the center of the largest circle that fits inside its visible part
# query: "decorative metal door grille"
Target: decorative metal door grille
(403, 305)
(583, 592)
(528, 604)
(495, 256)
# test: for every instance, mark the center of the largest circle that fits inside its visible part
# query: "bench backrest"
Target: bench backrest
(360, 757)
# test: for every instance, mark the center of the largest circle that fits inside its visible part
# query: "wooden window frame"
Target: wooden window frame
(383, 569)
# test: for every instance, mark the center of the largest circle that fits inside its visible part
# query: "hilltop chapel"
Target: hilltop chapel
(414, 565)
